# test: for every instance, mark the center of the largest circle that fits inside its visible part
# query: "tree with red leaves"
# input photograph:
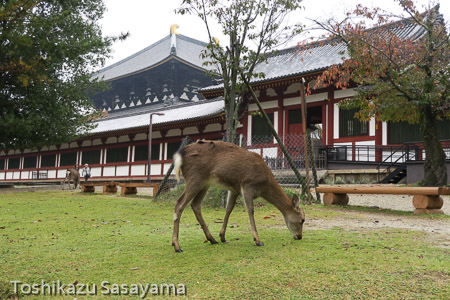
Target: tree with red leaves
(402, 70)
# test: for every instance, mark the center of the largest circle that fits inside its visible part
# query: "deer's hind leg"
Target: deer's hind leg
(196, 207)
(188, 194)
(231, 201)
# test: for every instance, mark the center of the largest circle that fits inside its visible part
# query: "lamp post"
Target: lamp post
(150, 144)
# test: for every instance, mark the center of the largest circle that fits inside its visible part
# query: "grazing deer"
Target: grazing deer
(72, 175)
(241, 172)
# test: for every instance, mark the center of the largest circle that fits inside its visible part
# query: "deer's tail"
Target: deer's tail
(178, 161)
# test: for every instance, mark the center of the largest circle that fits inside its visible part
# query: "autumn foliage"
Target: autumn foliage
(400, 67)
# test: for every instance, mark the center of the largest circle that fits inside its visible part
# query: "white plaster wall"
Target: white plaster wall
(73, 145)
(190, 130)
(123, 139)
(344, 93)
(271, 92)
(9, 175)
(96, 172)
(62, 174)
(109, 171)
(111, 140)
(255, 150)
(173, 132)
(349, 149)
(336, 121)
(122, 171)
(393, 157)
(270, 152)
(96, 142)
(275, 124)
(142, 136)
(265, 105)
(26, 175)
(293, 88)
(291, 101)
(364, 155)
(138, 170)
(155, 169)
(166, 168)
(249, 130)
(156, 135)
(372, 127)
(86, 143)
(384, 135)
(213, 127)
(52, 174)
(64, 146)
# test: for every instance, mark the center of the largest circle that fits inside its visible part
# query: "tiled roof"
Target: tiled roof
(293, 62)
(187, 49)
(171, 115)
(317, 56)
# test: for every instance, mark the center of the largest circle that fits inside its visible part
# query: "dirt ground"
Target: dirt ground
(438, 229)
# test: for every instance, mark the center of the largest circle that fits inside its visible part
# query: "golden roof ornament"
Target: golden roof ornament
(173, 29)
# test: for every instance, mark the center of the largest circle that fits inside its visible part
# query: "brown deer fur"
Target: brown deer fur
(72, 175)
(241, 172)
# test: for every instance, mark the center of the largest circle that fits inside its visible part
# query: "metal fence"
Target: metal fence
(271, 152)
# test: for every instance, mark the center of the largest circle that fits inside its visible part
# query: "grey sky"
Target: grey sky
(148, 21)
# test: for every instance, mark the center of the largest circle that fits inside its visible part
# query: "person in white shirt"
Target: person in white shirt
(86, 172)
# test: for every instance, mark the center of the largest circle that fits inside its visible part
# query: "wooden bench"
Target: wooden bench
(425, 200)
(108, 187)
(131, 188)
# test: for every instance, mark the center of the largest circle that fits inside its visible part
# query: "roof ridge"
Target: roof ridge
(206, 101)
(189, 39)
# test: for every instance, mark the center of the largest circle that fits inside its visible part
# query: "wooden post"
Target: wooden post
(305, 144)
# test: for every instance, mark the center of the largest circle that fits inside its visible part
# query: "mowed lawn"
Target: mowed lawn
(76, 238)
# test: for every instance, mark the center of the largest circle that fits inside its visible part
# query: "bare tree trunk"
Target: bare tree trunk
(435, 169)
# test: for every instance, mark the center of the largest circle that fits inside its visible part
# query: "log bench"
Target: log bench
(108, 187)
(131, 188)
(425, 200)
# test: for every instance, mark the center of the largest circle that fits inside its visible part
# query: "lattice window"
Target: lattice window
(351, 126)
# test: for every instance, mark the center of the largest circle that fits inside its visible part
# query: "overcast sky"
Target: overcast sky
(148, 21)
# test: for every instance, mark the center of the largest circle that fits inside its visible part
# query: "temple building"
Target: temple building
(169, 78)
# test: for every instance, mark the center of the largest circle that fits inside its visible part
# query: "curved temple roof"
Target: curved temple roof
(177, 114)
(181, 46)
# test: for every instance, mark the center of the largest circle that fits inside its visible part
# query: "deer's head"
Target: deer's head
(295, 218)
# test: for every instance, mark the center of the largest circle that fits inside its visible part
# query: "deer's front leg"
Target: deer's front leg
(231, 201)
(248, 197)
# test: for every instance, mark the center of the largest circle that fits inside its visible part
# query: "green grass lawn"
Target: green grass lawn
(88, 239)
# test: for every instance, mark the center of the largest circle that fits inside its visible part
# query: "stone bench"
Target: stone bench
(131, 188)
(425, 200)
(108, 187)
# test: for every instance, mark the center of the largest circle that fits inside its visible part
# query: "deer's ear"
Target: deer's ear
(296, 201)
